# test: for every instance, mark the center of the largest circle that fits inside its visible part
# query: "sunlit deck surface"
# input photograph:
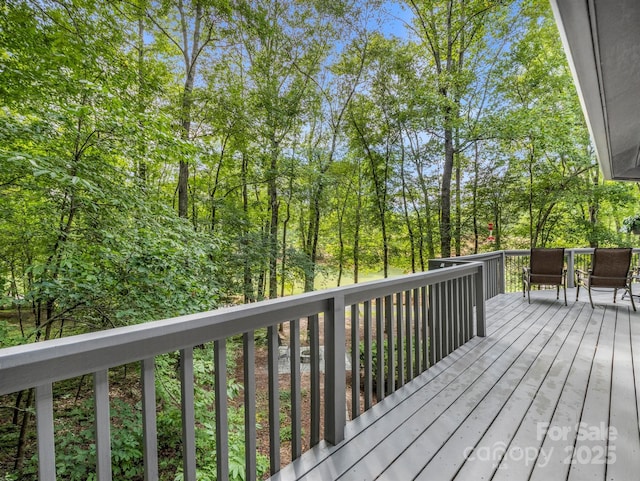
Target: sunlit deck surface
(551, 393)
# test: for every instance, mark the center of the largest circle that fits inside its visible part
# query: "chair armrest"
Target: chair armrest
(580, 274)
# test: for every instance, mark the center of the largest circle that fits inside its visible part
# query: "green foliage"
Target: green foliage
(169, 417)
(631, 224)
(9, 335)
(75, 430)
(374, 357)
(316, 146)
(75, 451)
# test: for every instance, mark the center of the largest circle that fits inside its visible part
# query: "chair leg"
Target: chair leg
(633, 304)
(557, 292)
(565, 293)
(615, 294)
(577, 290)
(590, 299)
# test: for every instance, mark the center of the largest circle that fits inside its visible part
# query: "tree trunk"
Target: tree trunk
(190, 62)
(142, 163)
(458, 225)
(274, 206)
(285, 225)
(532, 240)
(476, 171)
(341, 236)
(22, 438)
(216, 181)
(405, 206)
(427, 212)
(594, 208)
(311, 248)
(356, 229)
(247, 279)
(445, 190)
(380, 194)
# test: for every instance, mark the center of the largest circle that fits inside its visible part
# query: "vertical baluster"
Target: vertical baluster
(44, 427)
(451, 301)
(469, 319)
(102, 425)
(418, 335)
(274, 400)
(453, 322)
(425, 327)
(296, 397)
(368, 384)
(400, 341)
(249, 358)
(438, 321)
(463, 309)
(380, 378)
(431, 324)
(188, 415)
(355, 361)
(149, 426)
(410, 338)
(453, 330)
(222, 421)
(314, 352)
(388, 316)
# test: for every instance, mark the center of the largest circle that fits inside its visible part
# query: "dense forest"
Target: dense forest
(159, 158)
(168, 157)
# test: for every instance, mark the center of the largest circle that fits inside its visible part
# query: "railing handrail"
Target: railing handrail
(30, 365)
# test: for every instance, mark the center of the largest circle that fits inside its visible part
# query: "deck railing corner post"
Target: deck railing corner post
(480, 302)
(335, 370)
(571, 268)
(503, 272)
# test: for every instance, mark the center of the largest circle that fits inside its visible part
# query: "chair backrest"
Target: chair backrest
(545, 261)
(610, 267)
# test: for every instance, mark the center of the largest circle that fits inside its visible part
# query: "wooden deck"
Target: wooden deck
(551, 393)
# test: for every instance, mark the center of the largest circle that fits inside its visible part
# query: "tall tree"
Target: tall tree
(449, 30)
(190, 27)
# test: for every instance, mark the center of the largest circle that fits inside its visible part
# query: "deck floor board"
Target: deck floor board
(507, 406)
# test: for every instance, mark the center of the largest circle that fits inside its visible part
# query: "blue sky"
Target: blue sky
(396, 16)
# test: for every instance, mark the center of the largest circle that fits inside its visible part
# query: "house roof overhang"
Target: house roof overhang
(602, 41)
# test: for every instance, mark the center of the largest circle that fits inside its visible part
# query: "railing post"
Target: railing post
(274, 399)
(149, 422)
(571, 267)
(188, 415)
(222, 420)
(480, 308)
(335, 371)
(102, 425)
(44, 425)
(503, 272)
